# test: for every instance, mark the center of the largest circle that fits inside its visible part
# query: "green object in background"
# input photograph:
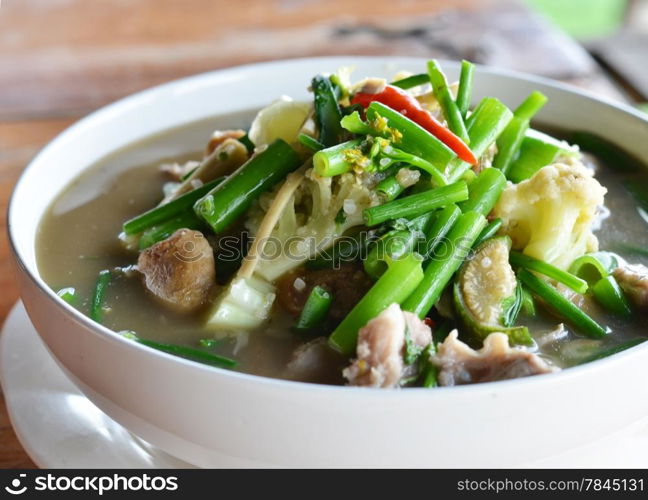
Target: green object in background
(583, 18)
(643, 107)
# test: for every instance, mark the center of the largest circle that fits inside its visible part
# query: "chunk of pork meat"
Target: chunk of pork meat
(180, 270)
(633, 280)
(460, 364)
(225, 159)
(381, 349)
(348, 284)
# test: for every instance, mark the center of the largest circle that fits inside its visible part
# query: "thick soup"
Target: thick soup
(380, 236)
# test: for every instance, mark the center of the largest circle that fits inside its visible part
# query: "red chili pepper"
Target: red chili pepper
(401, 101)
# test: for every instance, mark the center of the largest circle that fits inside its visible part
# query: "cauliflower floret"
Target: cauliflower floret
(550, 215)
(321, 211)
(304, 216)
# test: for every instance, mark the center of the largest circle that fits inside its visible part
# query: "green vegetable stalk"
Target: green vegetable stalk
(413, 139)
(441, 226)
(399, 281)
(562, 306)
(327, 111)
(224, 204)
(508, 144)
(608, 293)
(162, 231)
(416, 204)
(315, 310)
(527, 262)
(99, 295)
(174, 208)
(484, 191)
(440, 270)
(464, 93)
(185, 352)
(412, 81)
(484, 126)
(450, 109)
(337, 159)
(489, 231)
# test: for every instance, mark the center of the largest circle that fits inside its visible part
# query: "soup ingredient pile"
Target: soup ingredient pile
(412, 239)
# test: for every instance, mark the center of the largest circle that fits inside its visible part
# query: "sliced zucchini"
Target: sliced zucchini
(486, 291)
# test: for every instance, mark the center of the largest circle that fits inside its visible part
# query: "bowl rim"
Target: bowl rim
(114, 337)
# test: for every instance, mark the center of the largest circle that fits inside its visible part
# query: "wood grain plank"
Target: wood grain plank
(110, 49)
(19, 142)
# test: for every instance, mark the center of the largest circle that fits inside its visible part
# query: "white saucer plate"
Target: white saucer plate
(55, 423)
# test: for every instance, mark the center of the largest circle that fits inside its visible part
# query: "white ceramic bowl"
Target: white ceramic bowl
(210, 417)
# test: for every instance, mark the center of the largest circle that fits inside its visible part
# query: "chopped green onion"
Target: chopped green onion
(527, 262)
(536, 151)
(484, 126)
(310, 143)
(464, 93)
(185, 352)
(394, 245)
(165, 212)
(390, 187)
(530, 106)
(443, 223)
(335, 160)
(416, 204)
(315, 310)
(223, 205)
(469, 176)
(562, 306)
(428, 370)
(441, 268)
(159, 232)
(489, 231)
(593, 267)
(68, 295)
(448, 105)
(98, 296)
(412, 81)
(484, 191)
(399, 281)
(608, 293)
(510, 141)
(415, 139)
(327, 111)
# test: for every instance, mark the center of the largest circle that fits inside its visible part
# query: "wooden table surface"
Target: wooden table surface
(59, 60)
